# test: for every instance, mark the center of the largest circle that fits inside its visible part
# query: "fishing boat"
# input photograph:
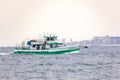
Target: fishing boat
(48, 45)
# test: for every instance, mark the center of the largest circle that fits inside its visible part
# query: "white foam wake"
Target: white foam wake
(72, 52)
(6, 53)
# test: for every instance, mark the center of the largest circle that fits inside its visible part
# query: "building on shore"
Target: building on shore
(101, 40)
(98, 41)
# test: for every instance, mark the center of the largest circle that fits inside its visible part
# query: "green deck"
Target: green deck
(55, 51)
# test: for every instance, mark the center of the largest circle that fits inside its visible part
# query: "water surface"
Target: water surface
(92, 63)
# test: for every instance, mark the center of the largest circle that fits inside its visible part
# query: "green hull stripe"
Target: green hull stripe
(46, 52)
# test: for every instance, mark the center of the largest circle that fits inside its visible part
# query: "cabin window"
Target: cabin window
(51, 46)
(33, 46)
(38, 47)
(51, 38)
(56, 45)
(48, 39)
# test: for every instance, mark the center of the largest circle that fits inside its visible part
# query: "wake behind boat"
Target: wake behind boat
(48, 45)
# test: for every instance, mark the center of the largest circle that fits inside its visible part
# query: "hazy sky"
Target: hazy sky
(76, 19)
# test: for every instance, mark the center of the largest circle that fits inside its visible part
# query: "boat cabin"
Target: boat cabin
(47, 43)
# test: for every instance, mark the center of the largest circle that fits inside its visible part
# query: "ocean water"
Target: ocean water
(92, 63)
